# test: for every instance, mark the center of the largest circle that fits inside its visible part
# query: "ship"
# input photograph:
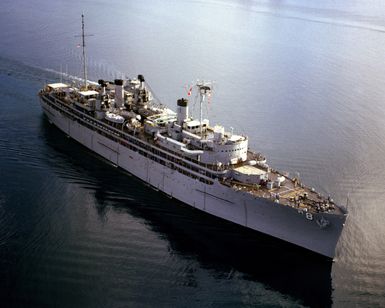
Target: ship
(187, 158)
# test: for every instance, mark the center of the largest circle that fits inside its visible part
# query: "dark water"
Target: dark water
(303, 79)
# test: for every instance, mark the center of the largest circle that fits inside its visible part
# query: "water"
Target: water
(303, 80)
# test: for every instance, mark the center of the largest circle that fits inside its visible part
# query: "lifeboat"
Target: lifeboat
(114, 118)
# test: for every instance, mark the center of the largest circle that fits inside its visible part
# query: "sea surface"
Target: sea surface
(305, 80)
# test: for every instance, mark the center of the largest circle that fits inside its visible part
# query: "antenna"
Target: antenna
(204, 90)
(84, 53)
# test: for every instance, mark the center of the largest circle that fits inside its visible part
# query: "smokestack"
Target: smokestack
(141, 79)
(103, 86)
(182, 110)
(119, 93)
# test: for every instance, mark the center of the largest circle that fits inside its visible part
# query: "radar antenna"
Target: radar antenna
(204, 88)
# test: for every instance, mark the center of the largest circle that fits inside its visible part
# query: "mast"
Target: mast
(204, 89)
(200, 111)
(84, 54)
